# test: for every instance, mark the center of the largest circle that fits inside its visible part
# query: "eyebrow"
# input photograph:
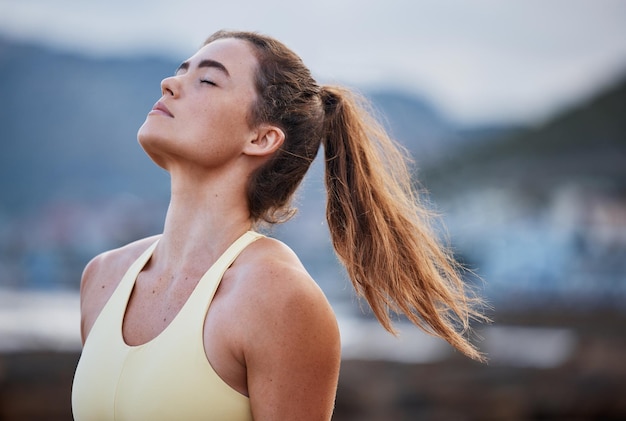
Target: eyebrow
(205, 63)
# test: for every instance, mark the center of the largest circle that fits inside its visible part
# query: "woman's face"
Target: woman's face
(202, 117)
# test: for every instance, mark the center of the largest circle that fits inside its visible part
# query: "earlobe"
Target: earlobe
(267, 140)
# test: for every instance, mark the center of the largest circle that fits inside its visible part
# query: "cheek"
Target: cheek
(227, 123)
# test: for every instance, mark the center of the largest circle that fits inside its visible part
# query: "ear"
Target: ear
(266, 141)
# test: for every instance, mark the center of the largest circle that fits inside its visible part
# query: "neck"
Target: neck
(204, 217)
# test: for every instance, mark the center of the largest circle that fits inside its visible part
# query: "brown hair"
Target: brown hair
(378, 227)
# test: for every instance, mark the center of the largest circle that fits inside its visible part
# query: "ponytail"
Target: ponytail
(378, 228)
(380, 231)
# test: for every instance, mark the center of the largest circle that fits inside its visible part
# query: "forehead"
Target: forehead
(235, 54)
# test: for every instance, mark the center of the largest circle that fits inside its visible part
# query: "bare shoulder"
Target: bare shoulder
(102, 275)
(292, 345)
(276, 277)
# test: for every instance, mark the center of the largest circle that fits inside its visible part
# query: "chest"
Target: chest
(152, 308)
(164, 378)
(154, 302)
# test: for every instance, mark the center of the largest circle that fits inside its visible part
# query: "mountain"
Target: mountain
(68, 125)
(423, 130)
(540, 213)
(582, 145)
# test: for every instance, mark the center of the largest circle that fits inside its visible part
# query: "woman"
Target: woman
(237, 127)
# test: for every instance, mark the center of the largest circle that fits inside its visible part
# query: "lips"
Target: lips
(160, 108)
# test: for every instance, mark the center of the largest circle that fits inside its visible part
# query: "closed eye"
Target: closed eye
(209, 82)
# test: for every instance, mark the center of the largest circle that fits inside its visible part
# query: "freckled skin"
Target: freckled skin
(270, 333)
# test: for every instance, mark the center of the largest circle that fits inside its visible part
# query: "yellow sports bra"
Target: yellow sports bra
(168, 378)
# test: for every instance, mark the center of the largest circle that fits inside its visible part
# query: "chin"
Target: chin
(148, 135)
(152, 144)
(145, 132)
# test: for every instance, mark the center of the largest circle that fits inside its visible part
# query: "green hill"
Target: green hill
(585, 145)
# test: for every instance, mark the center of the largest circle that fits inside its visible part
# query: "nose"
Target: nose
(169, 86)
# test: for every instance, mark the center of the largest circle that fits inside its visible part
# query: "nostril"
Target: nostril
(167, 86)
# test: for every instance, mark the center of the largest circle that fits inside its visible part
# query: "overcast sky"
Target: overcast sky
(477, 60)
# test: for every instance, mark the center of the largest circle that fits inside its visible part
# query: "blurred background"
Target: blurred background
(515, 114)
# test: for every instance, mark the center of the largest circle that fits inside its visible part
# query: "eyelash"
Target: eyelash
(207, 82)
